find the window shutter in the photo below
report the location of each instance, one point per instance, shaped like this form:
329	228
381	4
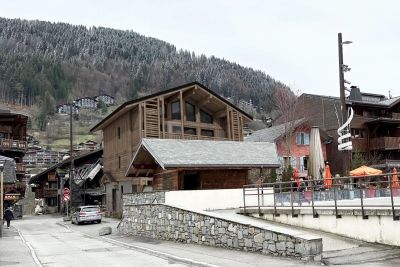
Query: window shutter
280	159
301	164
298	138
307	139
294	162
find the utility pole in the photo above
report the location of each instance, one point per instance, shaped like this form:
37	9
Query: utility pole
71	168
341	79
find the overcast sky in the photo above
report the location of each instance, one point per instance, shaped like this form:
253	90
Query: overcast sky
294	41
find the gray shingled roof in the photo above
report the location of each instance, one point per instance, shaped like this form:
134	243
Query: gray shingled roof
202	153
9	176
271	134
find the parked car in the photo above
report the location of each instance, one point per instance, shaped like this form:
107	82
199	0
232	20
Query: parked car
87	214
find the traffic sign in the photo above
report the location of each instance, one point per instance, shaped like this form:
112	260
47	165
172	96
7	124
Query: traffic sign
66	191
66	198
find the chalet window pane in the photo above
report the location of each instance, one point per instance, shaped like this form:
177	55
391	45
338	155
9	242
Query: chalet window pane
176	129
176	110
190	130
190	113
207	133
205	117
165	111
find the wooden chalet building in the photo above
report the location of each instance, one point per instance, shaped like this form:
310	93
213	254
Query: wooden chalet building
299	144
66	109
86	102
13	145
190	111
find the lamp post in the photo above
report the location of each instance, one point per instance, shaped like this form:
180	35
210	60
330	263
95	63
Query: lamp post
71	168
342	69
2	163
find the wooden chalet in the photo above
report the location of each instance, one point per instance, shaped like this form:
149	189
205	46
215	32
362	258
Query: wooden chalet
190	111
86	102
66	109
107	99
13	145
177	164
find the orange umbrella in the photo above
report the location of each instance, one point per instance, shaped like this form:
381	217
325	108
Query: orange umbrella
395	179
364	170
296	176
328	176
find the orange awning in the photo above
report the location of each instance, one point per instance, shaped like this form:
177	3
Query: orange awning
395	179
364	170
328	176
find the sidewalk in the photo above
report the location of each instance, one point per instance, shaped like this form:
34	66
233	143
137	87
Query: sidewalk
14	251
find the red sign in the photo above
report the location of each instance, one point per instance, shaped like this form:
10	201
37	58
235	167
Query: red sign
66	198
66	191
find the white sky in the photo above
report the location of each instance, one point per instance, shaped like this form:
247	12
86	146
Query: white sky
294	41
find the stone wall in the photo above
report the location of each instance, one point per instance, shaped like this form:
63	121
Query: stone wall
165	222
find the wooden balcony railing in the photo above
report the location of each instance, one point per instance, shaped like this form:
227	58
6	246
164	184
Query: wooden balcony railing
21	167
193	137
360	145
50	192
395	115
10	144
384	143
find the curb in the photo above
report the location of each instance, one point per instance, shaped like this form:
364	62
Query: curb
156	253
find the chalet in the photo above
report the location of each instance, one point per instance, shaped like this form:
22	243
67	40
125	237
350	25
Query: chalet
191	112
86	102
13	145
66	109
86	188
299	133
107	99
43	157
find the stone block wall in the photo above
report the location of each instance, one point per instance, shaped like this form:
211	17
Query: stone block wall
165	222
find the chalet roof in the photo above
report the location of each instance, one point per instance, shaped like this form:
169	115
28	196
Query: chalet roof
9	170
274	133
13	112
170	153
64	162
98	127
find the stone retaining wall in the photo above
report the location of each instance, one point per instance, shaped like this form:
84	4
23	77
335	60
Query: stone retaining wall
165	222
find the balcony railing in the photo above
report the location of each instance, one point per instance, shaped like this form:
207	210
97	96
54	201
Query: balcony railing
384	143
193	137
21	167
10	144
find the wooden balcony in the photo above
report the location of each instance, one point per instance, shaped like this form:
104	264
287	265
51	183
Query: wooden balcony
193	137
395	115
359	145
384	143
21	167
10	144
50	192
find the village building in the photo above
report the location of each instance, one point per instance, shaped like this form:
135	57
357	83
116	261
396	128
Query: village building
66	109
107	99
86	102
187	112
295	152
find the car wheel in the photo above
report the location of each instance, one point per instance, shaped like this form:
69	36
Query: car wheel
72	221
99	221
79	223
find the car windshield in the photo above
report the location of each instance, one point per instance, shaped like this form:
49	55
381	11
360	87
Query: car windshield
89	209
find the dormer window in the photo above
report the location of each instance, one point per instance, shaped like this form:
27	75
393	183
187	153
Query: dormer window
205	117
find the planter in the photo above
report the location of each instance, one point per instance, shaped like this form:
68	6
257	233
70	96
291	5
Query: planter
370	192
307	194
395	191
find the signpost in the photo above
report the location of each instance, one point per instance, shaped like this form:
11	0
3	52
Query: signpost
66	197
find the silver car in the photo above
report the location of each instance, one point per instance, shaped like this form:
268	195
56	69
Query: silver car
87	214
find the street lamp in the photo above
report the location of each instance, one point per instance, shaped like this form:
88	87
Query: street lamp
71	168
2	163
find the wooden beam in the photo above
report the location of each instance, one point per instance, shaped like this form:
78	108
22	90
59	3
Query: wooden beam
221	113
189	93
173	97
204	101
147	173
144	166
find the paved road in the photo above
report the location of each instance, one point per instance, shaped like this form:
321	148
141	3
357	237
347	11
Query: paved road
58	243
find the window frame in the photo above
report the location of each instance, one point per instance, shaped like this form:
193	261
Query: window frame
304	139
174	116
187	104
208	114
207	130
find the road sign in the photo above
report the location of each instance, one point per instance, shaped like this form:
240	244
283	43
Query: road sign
66	191
66	198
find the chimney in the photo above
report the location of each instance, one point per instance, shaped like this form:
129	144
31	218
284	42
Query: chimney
355	93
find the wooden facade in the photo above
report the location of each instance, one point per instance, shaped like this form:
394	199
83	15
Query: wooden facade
190	112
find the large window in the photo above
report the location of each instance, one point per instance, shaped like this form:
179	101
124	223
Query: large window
190	130
358	133
205	117
190	112
302	138
176	129
207	133
176	110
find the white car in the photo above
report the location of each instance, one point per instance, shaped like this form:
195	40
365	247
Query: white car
87	214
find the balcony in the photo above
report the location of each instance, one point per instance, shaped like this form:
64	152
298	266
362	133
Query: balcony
384	143
359	145
10	144
193	137
50	192
21	167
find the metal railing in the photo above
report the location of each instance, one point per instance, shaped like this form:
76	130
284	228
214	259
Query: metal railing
355	192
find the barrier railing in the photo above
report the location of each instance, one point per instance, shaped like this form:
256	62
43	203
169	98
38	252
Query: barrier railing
354	192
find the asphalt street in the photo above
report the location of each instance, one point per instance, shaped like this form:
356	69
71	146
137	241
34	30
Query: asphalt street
47	240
